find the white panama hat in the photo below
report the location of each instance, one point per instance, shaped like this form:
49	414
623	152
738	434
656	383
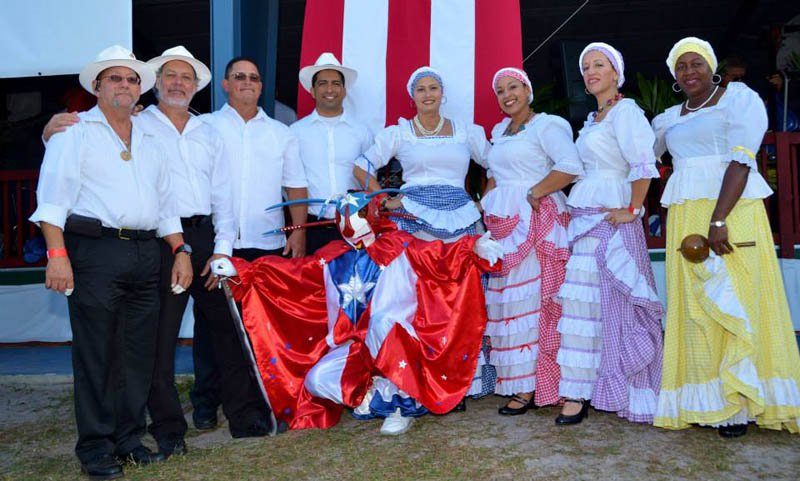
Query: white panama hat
326	61
117	56
180	53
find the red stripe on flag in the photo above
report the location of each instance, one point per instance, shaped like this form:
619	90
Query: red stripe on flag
498	44
323	28
407	48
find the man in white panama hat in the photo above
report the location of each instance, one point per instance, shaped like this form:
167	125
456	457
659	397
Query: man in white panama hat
202	184
104	195
330	140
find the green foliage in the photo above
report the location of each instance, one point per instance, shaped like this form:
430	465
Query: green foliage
544	100
794	60
655	96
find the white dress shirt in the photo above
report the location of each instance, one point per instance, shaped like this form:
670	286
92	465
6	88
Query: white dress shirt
82	173
201	178
264	156
329	147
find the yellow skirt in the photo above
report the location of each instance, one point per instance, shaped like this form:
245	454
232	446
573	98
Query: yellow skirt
730	353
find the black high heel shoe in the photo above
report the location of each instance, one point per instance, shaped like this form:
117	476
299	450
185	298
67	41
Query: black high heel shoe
732	431
526	405
563	420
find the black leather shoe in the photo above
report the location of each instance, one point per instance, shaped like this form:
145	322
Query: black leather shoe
526	404
256	429
563	420
142	455
732	431
204	424
102	467
172	447
460	407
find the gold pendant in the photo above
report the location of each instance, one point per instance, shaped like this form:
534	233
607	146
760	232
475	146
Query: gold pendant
125	155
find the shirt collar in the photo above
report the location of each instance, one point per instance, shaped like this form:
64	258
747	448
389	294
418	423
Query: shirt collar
161	116
344	118
260	114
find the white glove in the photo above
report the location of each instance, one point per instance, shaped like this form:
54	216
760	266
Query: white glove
488	248
223	267
68	292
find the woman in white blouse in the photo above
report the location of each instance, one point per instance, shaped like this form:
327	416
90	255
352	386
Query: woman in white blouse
532	158
434	152
610	353
730	352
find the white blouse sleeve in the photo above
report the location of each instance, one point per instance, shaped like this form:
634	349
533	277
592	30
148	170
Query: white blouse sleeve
478	145
747	122
659	129
385	146
636	140
555	137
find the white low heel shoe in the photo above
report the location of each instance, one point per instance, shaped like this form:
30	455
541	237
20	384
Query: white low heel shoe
396	424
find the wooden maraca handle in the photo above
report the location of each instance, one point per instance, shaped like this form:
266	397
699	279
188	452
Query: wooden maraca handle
745	244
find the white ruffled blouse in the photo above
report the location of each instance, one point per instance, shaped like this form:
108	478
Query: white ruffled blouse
526	158
427	160
704	142
615	152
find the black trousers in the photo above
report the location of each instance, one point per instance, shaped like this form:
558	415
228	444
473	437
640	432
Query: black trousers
113	313
241	398
317	237
251	253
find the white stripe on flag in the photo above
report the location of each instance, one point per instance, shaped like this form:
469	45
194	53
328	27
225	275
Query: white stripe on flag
364	48
453	53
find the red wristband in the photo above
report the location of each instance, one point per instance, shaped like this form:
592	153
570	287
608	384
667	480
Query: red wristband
61	252
175	249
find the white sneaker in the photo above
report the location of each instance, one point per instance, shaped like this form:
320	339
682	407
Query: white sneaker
396	424
363	408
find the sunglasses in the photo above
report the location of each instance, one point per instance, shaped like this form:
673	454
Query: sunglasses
116	79
241	77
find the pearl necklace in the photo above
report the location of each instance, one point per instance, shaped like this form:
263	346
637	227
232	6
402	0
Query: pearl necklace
425	132
694	109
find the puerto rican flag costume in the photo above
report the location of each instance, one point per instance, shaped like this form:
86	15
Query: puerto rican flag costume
408	312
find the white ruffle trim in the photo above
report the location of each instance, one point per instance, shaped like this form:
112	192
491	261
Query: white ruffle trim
516	356
515	293
575	390
710	398
582	263
579	327
600	191
583	360
449	220
514	386
579	293
511	327
642	402
719	288
623	268
579	226
701	178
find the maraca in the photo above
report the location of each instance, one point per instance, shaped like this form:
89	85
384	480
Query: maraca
695	248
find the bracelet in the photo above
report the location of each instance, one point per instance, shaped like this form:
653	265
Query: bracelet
60	252
175	249
717	223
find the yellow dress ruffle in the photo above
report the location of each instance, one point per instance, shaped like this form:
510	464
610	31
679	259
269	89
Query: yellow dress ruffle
730	352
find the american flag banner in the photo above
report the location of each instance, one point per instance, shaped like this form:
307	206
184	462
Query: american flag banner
386	40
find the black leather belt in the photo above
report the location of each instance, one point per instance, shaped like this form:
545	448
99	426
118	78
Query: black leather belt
195	220
129	234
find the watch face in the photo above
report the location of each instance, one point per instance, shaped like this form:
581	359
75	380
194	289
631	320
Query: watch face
185	248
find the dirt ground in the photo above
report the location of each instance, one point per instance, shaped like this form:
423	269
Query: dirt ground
37	436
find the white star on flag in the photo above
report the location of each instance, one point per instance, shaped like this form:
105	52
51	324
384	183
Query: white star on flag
444	340
444	377
402	364
355	289
322	261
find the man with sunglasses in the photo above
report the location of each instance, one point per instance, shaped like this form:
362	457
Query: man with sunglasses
264	158
104	195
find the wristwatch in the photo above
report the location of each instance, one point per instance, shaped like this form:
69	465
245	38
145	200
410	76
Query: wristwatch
185	248
717	223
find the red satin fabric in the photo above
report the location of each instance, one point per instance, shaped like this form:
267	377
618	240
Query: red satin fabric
450	321
285	314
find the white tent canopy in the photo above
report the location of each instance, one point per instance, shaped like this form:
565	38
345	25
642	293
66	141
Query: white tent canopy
46	37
